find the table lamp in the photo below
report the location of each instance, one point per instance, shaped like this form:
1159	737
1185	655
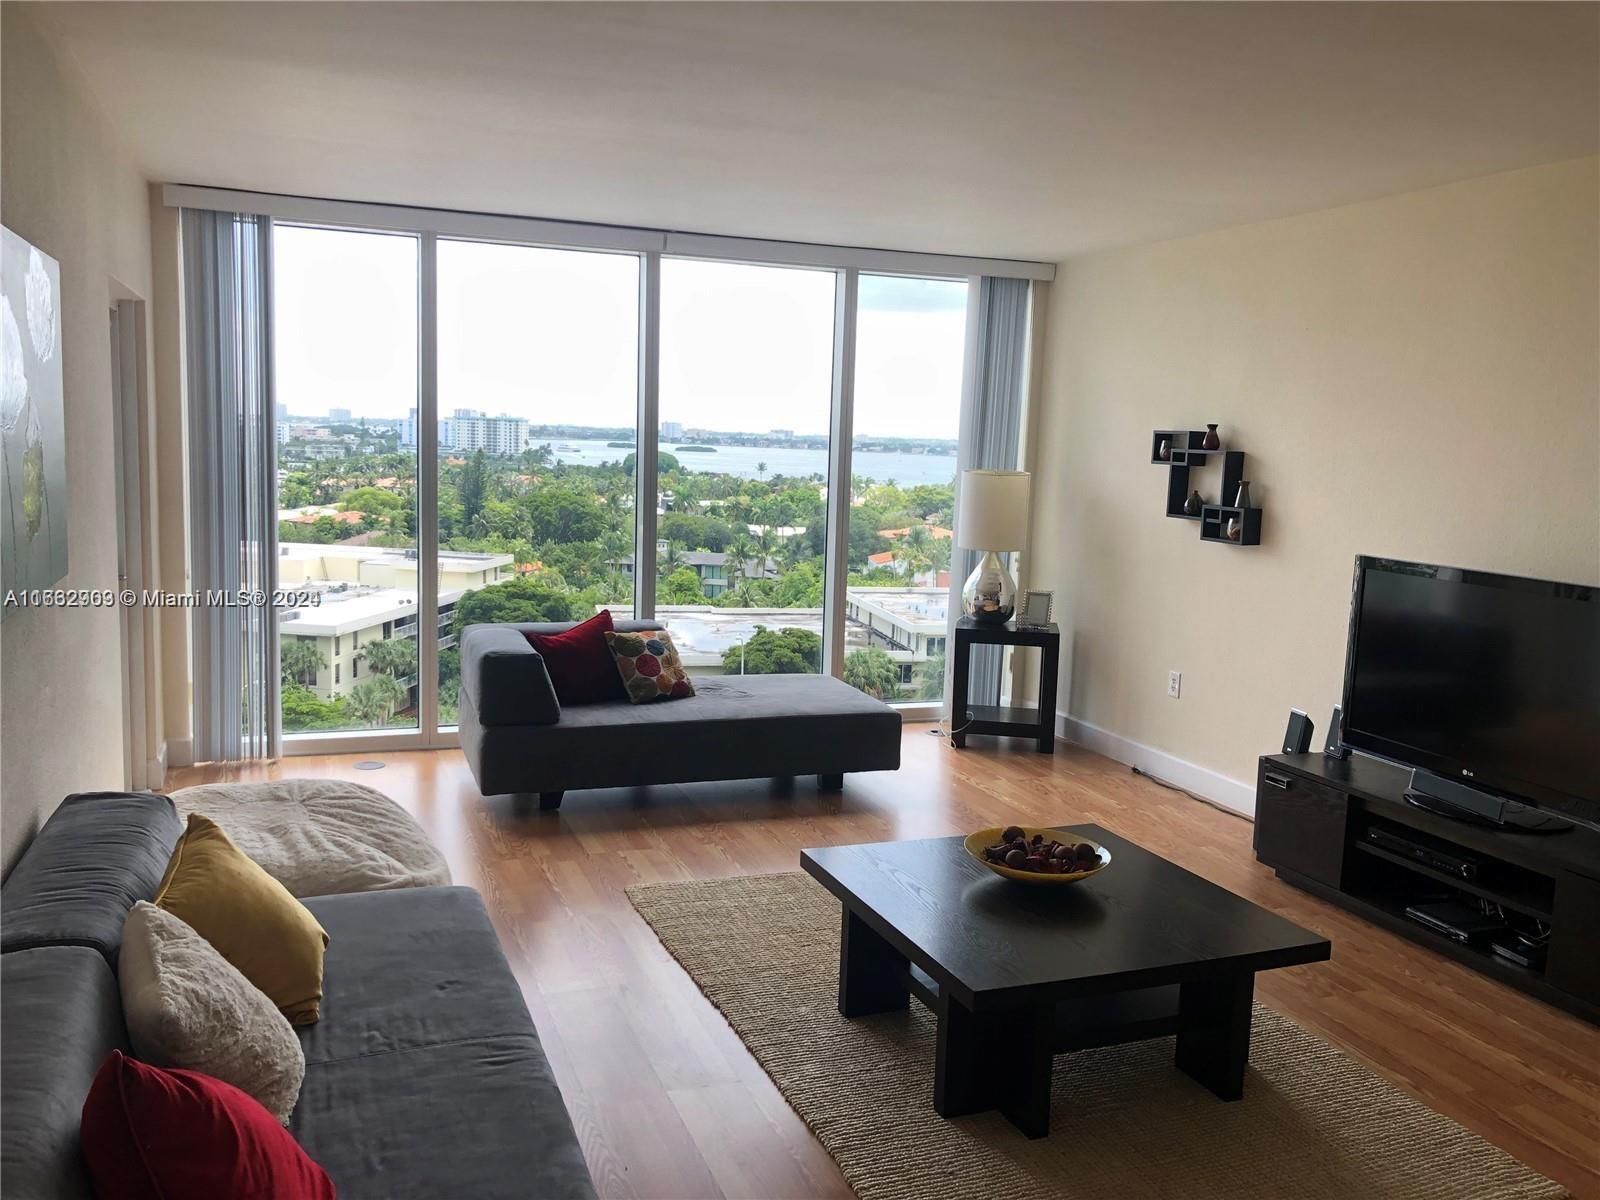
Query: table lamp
992	516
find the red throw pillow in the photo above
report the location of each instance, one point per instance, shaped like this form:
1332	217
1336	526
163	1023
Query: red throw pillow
150	1133
580	664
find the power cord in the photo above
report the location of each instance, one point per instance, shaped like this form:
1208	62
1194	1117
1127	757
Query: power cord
938	730
1172	787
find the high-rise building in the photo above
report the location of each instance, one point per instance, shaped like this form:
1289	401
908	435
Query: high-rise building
672	431
470	430
339	416
408	430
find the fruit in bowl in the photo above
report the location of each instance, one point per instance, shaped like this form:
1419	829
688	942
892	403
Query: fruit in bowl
1037	855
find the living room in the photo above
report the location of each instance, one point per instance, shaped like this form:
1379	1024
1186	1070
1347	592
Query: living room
1029	411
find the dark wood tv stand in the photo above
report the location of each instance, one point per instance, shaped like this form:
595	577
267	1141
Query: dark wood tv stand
1312	819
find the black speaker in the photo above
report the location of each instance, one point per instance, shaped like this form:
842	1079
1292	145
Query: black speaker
1297	738
1334	747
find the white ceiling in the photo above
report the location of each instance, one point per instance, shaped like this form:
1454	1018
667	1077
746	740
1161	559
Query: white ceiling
1024	131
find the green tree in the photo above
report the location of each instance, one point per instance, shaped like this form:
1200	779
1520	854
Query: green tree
740	548
473	486
669	560
775	652
395	657
299	660
303	709
526	599
374	699
930	678
665	463
681	587
562	512
872	671
375	501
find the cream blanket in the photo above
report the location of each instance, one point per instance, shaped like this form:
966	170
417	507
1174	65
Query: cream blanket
319	837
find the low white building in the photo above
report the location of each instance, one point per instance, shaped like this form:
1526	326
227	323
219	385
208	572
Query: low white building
366	594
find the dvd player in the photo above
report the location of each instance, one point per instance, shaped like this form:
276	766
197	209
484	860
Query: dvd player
1459	866
1456	921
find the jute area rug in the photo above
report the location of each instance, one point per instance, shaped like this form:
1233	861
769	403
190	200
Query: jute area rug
1124	1121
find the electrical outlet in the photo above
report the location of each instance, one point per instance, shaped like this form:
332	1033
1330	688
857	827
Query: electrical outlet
1174	683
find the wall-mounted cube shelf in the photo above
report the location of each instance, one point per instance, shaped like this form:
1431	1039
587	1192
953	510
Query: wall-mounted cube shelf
1186	449
1214	520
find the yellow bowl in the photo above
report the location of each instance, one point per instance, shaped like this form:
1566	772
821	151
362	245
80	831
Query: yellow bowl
976	843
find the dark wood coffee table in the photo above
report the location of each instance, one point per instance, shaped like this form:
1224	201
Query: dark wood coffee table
1018	974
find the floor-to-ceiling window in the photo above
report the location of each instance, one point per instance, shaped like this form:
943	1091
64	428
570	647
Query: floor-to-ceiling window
345	338
909	339
538	394
746	401
484	397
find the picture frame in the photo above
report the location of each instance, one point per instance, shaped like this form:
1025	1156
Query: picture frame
1036	607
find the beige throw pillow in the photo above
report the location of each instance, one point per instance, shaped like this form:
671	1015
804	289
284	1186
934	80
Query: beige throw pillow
187	1006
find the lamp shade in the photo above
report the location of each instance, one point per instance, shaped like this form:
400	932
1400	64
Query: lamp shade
992	513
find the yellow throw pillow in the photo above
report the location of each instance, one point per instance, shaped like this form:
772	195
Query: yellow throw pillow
247	916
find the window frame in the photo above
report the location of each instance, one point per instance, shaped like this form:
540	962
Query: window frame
649	247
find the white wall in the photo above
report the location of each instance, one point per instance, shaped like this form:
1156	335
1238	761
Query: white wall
1414	377
67	190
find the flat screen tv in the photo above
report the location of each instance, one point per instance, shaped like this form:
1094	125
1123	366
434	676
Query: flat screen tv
1492	680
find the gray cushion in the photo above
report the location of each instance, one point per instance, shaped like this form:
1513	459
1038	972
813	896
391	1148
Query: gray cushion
407	968
734	727
60	1015
504	677
97	854
424	1077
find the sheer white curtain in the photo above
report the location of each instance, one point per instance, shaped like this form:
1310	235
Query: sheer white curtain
991	435
233	529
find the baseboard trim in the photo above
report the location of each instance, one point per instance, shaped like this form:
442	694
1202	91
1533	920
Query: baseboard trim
155	769
180	753
1231	794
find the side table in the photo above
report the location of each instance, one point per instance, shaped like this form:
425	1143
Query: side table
1006	720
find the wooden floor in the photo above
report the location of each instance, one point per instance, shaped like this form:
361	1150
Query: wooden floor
667	1101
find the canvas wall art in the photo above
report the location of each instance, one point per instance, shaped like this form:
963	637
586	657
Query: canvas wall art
33	475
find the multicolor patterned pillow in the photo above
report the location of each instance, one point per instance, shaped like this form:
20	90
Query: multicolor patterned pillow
650	666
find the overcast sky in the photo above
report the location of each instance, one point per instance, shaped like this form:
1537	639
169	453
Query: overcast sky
550	335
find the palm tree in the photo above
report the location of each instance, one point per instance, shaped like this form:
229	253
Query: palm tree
765	543
761	470
915	551
669	560
395	657
374	699
795	551
873	672
299	660
931	678
738	555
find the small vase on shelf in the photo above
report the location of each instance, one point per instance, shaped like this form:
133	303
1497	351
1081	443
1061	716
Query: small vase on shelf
1212	441
1164	451
1192	506
1242	500
1234	530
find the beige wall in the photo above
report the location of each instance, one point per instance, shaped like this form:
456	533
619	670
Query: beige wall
1414	377
64	188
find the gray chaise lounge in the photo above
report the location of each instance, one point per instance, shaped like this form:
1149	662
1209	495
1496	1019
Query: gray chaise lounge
519	739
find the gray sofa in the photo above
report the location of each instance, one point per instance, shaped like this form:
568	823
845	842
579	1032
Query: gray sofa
424	1077
519	739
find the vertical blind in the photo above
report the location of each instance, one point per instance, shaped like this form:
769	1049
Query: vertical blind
232	480
994	436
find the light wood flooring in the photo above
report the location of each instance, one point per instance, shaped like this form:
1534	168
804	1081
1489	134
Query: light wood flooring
667	1101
